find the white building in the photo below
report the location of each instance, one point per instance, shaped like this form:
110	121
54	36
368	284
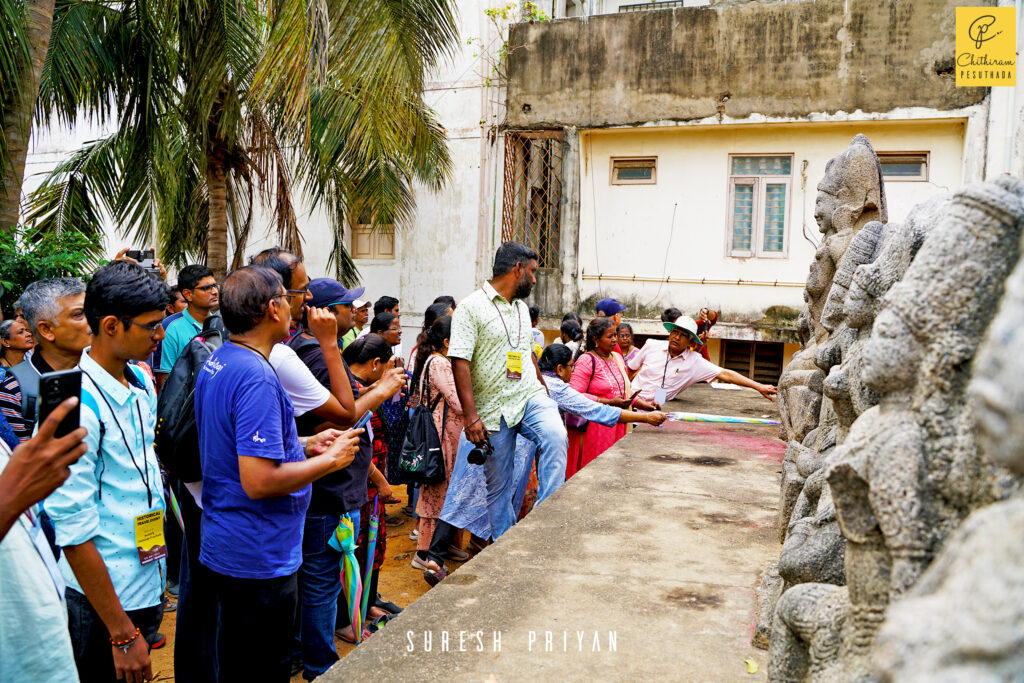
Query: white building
670	156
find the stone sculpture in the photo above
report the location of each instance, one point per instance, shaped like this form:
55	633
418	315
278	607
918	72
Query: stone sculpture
909	472
964	620
849	196
876	259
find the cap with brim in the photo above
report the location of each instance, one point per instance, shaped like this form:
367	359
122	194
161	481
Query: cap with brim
609	307
360	303
328	292
686	324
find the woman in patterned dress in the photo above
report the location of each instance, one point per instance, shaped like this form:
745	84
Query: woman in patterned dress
434	382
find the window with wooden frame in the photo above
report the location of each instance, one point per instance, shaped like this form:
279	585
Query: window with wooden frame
904	165
760	361
371	241
634	171
759	195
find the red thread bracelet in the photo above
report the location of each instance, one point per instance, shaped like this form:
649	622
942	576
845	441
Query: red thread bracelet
123	644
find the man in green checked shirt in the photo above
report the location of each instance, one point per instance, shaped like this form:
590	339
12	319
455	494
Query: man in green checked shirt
499	384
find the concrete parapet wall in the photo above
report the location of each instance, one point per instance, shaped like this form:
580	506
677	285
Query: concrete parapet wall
642	567
781	59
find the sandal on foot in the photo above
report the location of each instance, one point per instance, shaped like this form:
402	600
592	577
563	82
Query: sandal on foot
340	633
435	577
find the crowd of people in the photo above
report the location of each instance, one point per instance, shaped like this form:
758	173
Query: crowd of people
238	442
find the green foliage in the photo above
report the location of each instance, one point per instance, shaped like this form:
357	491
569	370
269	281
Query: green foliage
501	18
30	255
324	98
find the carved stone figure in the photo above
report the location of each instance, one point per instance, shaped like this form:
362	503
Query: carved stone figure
877	257
850	195
964	619
908	472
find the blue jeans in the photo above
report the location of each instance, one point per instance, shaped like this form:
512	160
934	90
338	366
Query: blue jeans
319	592
543	425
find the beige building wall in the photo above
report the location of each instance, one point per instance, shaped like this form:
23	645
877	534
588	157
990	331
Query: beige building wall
634	237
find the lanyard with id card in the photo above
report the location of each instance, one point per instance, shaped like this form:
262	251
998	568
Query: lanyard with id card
149	537
513	357
513	364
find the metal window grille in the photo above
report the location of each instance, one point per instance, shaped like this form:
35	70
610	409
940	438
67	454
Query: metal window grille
531	205
648	6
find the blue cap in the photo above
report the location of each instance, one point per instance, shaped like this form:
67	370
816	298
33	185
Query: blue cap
327	292
609	307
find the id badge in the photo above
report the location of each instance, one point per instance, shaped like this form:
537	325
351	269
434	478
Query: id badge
660	395
513	364
149	537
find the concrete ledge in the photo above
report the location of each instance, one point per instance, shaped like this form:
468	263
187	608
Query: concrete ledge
642	565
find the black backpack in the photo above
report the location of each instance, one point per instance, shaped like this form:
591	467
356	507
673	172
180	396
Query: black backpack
177	438
422	461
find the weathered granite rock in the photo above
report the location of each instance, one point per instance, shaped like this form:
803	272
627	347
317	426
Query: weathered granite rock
849	196
769	589
909	471
816	554
964	619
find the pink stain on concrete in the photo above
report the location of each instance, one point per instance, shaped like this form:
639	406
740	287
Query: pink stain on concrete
767	448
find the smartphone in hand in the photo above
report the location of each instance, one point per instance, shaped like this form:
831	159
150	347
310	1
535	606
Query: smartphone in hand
363	419
54	389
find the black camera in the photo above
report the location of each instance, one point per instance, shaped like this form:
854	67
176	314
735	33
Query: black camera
479	454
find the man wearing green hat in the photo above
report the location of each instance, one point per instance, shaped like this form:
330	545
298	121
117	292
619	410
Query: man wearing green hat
662	371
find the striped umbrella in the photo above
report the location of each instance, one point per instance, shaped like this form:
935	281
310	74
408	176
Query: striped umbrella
371	548
701	417
176	509
344	541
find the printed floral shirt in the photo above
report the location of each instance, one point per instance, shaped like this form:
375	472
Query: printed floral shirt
485	327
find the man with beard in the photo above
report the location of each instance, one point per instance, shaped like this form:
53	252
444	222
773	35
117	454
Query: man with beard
499	384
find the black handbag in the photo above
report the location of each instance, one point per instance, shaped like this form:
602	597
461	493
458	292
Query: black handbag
422	461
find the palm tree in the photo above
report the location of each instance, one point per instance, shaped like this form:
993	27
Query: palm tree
222	105
24	35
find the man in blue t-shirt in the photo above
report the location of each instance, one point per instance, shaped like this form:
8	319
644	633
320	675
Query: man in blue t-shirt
256	481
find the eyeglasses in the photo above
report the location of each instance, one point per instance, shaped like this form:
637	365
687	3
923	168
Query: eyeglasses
278	296
296	292
207	288
151	328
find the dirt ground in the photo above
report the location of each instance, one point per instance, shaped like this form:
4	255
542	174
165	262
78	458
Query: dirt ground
399	583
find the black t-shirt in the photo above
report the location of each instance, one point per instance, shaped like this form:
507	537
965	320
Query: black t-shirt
345	490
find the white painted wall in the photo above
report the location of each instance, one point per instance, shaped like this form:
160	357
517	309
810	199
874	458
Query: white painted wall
628	230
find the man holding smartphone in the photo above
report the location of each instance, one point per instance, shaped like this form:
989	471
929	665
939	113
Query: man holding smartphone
338	493
32	608
256	481
108	515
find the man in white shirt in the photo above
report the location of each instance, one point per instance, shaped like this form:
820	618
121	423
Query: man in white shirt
663	370
34	640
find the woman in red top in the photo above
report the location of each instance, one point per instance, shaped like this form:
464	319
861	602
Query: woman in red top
706	319
600	374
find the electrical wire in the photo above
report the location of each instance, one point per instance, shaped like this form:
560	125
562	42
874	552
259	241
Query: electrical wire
664	267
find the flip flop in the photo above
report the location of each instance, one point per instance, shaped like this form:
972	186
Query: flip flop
349	639
391	500
387	605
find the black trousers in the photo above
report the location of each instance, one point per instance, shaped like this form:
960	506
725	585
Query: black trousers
195	624
256	620
90	639
443	538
